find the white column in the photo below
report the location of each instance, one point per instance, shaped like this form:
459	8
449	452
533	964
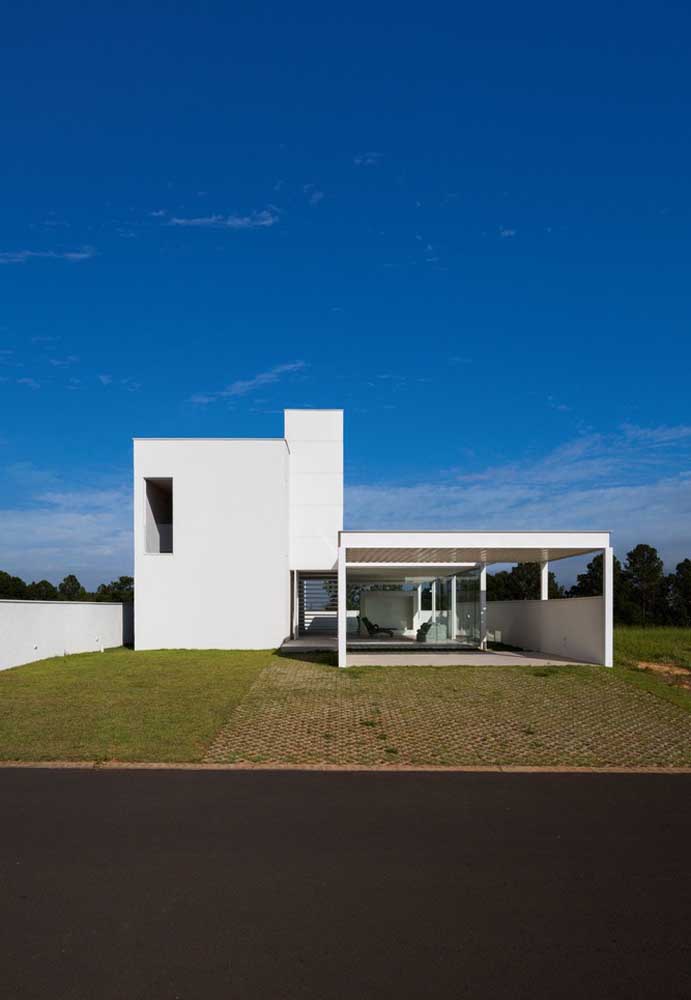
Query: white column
608	601
416	620
483	606
544	580
342	607
453	622
434	601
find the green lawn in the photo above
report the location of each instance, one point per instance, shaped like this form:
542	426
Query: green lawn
154	706
220	706
657	645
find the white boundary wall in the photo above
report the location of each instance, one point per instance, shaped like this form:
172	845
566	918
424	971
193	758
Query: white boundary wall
34	630
572	627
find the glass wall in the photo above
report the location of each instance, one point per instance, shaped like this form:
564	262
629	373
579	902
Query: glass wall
421	610
436	607
443	616
468	607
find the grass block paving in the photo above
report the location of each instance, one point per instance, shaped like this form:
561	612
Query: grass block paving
309	712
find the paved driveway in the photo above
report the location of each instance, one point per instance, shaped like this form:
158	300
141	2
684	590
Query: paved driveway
264	885
307	713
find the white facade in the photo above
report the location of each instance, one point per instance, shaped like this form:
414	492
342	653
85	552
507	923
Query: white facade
315	486
244	513
229	532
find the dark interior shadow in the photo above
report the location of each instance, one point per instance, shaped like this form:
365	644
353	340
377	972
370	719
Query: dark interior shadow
325	657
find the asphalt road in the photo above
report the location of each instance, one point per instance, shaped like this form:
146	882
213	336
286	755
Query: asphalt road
279	885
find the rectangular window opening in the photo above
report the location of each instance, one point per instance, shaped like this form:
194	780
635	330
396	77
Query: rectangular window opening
159	515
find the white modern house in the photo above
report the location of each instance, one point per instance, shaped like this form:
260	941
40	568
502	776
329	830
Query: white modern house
239	544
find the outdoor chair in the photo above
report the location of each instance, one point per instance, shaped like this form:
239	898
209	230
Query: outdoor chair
432	632
375	629
422	632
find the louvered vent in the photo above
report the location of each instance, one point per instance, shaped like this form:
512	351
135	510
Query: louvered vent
318	604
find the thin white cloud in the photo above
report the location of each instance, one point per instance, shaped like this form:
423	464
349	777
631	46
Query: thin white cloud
635	482
53	223
80	500
242	387
555	404
264	219
129	384
367	159
657	435
313	194
28	476
71	359
506	234
9	360
23	256
202	398
87	532
30	383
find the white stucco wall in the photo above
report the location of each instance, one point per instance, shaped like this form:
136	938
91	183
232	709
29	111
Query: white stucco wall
572	627
226	584
389	608
315	442
35	630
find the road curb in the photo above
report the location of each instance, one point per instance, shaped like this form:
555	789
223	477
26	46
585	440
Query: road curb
114	765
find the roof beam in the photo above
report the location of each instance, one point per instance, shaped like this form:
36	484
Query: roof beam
407	565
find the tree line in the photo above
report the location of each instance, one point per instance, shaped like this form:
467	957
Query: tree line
70	589
643	593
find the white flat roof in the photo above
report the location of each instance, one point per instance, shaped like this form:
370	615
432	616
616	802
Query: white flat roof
445	548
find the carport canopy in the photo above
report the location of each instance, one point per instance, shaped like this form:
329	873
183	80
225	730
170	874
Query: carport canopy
416	554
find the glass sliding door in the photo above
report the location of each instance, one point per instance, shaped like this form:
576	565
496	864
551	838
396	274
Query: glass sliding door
468	607
444	608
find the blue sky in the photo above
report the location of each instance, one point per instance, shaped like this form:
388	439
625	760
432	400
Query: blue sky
468	227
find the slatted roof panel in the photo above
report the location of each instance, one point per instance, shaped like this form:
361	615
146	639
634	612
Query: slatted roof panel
460	555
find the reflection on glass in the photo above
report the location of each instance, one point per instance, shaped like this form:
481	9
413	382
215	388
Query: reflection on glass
468	607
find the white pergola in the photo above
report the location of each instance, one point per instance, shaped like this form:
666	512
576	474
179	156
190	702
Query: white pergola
410	555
